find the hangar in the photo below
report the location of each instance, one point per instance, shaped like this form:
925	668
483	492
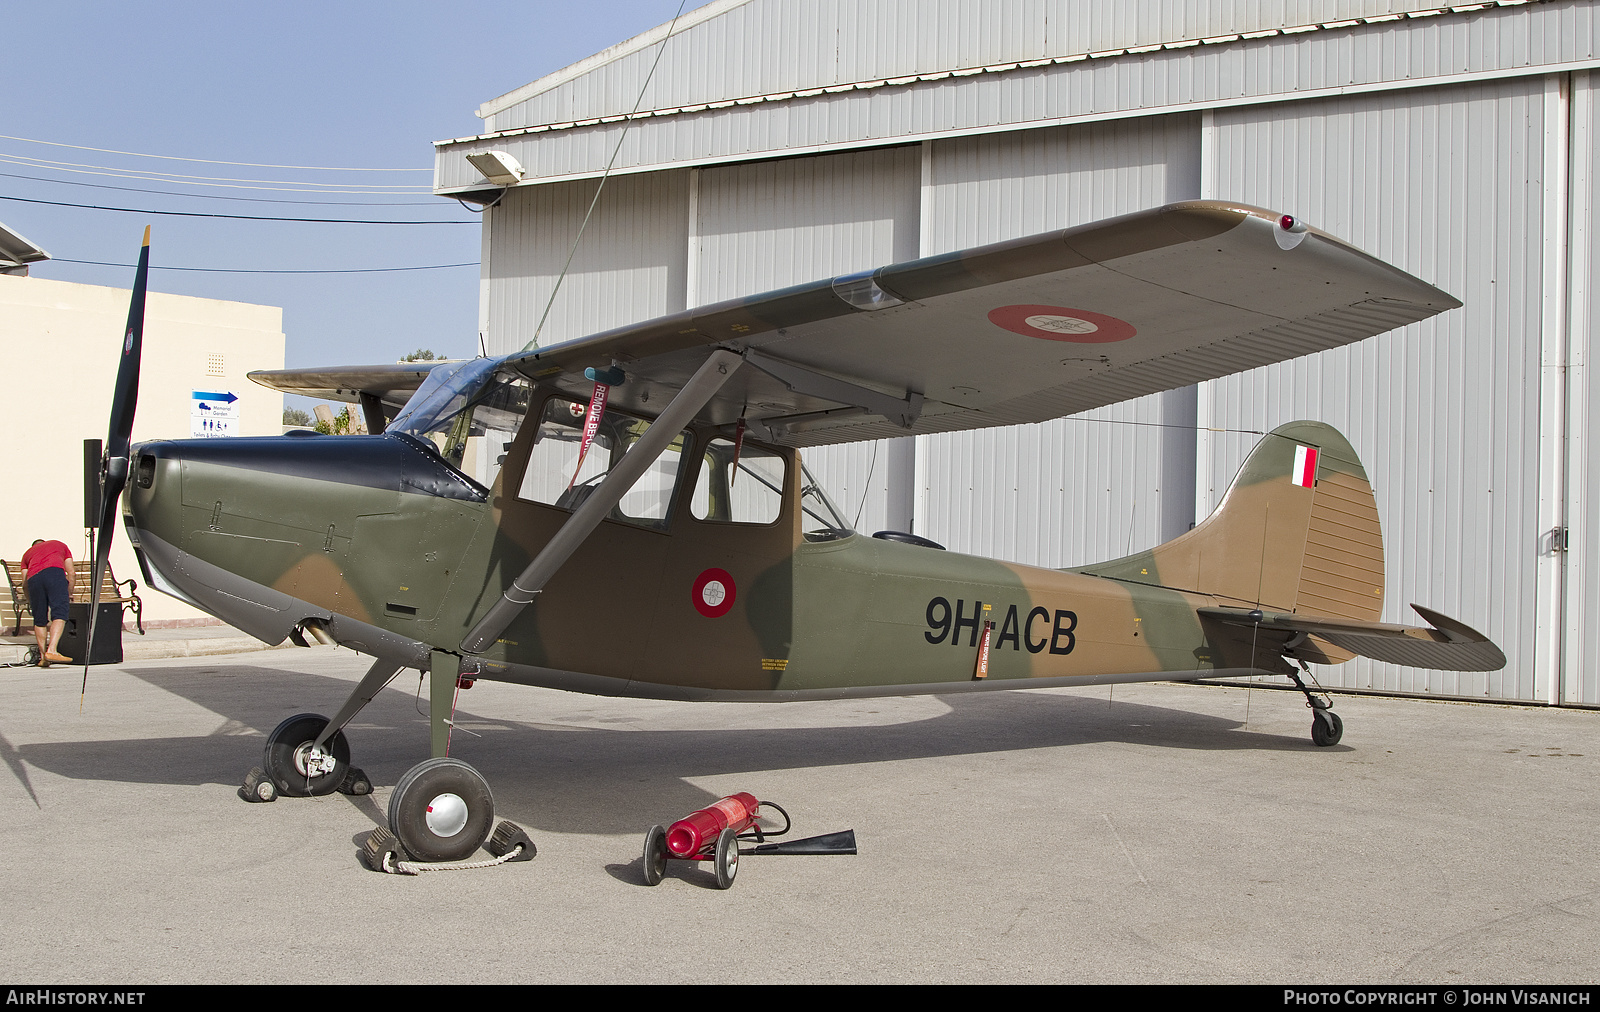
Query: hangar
755	144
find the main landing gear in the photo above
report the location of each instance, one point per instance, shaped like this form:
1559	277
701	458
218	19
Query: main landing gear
441	810
1326	727
294	765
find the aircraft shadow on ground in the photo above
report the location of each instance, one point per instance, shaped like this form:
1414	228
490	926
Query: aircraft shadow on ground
563	778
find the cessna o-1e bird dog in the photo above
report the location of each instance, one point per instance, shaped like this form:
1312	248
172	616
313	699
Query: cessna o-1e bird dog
627	514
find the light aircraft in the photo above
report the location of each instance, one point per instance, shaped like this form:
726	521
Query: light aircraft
628	514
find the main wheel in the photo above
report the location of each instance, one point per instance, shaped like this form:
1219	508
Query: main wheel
441	810
655	855
1326	728
300	770
727	862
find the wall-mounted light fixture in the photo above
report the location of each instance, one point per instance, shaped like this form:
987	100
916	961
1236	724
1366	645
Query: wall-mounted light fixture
497	167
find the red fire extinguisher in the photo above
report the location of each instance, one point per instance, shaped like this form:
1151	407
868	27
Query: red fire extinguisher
698	831
711	834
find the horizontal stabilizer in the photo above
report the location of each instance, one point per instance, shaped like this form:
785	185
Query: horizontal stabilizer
1448	646
829	843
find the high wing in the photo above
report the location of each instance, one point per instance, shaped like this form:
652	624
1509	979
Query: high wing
1020	331
391	384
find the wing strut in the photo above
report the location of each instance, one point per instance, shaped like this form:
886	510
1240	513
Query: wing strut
695	394
377	676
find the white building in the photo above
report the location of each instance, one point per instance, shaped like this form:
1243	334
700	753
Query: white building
62	342
779	142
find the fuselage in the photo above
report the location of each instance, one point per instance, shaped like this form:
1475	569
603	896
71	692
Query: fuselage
397	553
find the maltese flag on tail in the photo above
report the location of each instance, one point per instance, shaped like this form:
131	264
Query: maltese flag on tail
1305	466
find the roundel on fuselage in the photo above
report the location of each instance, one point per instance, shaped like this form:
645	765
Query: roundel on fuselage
714	592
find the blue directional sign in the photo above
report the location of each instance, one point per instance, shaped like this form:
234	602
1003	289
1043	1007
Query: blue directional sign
213	414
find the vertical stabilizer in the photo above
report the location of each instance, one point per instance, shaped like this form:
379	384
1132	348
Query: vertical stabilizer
1297	531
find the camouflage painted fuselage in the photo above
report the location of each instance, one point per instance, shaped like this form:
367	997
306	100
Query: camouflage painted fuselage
397	554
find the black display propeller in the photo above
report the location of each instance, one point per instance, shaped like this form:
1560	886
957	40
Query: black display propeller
119	439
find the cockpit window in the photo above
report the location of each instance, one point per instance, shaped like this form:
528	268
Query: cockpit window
555	475
738	488
468	411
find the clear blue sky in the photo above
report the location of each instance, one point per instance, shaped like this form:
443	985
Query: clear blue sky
365	84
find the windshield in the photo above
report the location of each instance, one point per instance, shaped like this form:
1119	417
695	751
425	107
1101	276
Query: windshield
461	400
818	511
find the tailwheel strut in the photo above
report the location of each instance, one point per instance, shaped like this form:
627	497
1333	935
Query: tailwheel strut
1326	727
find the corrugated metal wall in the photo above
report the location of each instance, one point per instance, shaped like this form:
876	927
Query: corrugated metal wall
1447	184
631	265
831	42
767	225
1474	426
1075	490
846	93
1581	638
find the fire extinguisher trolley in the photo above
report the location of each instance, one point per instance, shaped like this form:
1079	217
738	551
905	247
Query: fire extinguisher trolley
710	834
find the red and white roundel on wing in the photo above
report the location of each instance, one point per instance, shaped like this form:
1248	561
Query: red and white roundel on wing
713	593
1061	323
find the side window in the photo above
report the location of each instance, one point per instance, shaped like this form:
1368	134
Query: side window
554	476
750	492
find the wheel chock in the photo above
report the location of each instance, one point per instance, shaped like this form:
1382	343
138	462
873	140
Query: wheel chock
258	787
356	783
507	838
383	852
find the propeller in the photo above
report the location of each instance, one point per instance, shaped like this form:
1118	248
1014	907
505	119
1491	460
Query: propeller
119	438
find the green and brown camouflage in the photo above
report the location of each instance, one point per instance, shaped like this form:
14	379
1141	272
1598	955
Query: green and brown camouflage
386	543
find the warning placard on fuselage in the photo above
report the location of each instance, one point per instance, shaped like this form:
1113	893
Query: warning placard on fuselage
213	414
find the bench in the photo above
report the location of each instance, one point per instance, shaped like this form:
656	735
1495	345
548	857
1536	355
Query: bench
16	614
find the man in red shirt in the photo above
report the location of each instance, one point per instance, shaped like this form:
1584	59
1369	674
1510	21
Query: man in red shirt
50	577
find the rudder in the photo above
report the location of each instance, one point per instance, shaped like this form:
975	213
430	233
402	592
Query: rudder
1298	530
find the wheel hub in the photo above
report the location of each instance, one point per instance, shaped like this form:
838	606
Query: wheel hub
446	815
313	762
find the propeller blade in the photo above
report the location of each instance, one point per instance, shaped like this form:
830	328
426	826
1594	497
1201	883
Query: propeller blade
119	438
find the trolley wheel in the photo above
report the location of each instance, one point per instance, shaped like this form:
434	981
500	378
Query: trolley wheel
441	810
655	855
300	770
1326	728
727	860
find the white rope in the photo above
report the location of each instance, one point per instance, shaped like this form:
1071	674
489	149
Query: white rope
394	866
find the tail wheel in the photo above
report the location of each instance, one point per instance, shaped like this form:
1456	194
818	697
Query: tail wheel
1326	728
299	769
441	810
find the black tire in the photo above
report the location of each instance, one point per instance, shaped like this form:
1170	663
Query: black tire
727	861
287	752
1326	728
655	855
441	810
